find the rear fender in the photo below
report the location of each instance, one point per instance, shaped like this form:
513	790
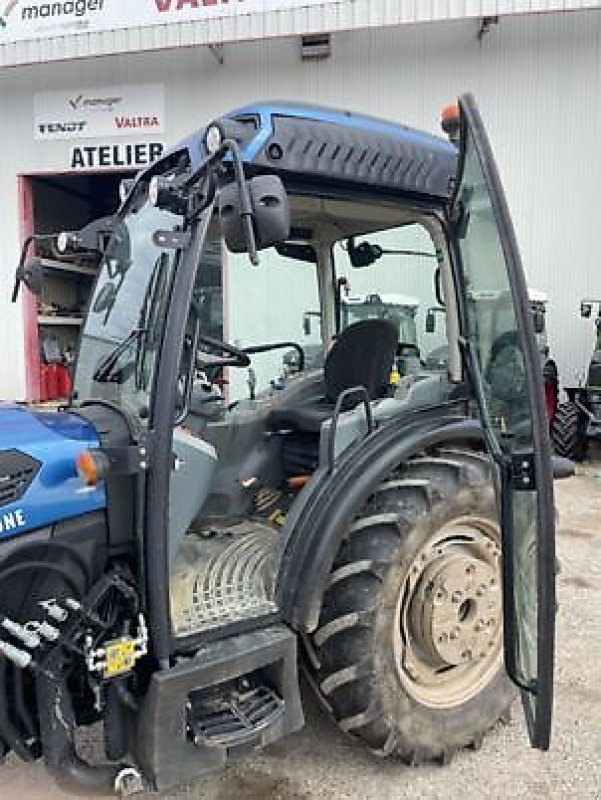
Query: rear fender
319	528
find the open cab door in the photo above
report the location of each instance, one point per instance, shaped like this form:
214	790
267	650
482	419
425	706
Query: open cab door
501	357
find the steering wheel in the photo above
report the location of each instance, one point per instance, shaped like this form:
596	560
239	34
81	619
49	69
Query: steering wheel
234	356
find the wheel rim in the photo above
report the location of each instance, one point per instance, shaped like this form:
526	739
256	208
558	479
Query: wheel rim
448	621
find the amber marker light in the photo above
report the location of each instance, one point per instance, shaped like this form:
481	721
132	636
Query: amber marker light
449	121
92	466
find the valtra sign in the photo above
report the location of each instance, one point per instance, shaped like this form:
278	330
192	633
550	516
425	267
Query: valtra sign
100	113
22	20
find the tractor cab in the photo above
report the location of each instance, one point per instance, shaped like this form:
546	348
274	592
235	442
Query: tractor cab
396	534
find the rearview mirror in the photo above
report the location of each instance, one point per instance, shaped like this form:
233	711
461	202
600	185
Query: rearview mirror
31	274
430	321
270	213
586	309
306	324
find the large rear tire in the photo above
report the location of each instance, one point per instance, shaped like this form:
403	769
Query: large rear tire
567	432
408	654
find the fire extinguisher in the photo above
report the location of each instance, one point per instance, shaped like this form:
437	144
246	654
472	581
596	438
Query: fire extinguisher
64	381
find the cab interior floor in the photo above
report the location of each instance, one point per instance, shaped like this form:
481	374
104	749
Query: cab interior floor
224	576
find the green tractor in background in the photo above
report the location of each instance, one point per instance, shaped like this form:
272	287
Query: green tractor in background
538	305
578	419
400	309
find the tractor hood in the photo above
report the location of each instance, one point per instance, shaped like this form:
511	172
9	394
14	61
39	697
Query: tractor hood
39	484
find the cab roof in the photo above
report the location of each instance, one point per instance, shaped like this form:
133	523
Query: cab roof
324	146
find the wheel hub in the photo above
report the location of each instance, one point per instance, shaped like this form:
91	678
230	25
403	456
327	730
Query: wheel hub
448	625
457	614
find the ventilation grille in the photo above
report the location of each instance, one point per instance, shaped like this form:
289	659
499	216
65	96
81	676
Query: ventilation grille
17	472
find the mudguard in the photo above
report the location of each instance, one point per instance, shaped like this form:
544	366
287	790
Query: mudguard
318	528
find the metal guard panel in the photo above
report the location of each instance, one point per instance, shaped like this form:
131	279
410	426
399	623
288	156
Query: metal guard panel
52	440
349	147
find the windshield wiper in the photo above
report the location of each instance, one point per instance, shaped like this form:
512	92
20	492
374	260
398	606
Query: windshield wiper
105	371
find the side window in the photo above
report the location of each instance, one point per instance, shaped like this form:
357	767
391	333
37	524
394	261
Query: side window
399	285
266	305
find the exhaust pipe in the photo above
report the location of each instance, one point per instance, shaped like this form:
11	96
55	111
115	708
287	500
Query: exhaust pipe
72	773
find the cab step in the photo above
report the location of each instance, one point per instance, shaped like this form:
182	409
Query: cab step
235	717
231	699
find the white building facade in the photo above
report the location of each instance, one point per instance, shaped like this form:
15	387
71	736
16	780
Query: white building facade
535	68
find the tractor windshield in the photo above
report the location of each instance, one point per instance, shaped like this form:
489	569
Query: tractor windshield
120	341
375	308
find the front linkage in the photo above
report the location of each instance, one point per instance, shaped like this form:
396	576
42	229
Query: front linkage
93	645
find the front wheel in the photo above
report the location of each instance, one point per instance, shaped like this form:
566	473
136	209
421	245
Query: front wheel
408	655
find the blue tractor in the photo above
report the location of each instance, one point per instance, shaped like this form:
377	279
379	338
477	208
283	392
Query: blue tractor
176	543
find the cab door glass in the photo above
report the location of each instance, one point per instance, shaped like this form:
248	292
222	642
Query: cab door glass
496	331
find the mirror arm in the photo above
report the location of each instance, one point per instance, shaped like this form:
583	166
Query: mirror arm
23	258
20	266
246	207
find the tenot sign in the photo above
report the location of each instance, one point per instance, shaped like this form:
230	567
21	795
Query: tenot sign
99	113
36	19
115	156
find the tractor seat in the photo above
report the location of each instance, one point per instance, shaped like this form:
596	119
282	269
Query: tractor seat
362	355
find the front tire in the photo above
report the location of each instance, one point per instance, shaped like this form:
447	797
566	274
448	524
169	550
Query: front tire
408	654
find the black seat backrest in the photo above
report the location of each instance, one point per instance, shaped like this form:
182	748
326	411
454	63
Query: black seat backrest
362	355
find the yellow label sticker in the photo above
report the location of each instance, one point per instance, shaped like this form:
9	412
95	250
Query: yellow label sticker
120	657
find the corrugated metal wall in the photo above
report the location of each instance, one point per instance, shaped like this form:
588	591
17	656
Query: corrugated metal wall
537	79
332	15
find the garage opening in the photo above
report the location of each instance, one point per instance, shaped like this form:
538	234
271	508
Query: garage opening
57	203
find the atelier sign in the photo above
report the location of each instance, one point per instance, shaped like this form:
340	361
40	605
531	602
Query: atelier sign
110	156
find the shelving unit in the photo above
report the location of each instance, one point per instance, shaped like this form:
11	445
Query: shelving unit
44	319
50	264
66	290
55	203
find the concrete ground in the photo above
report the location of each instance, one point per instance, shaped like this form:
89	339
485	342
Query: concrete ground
320	762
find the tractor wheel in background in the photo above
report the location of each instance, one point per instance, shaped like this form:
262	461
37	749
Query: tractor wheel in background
567	432
408	654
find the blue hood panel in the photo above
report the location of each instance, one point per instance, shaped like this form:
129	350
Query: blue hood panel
53	439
